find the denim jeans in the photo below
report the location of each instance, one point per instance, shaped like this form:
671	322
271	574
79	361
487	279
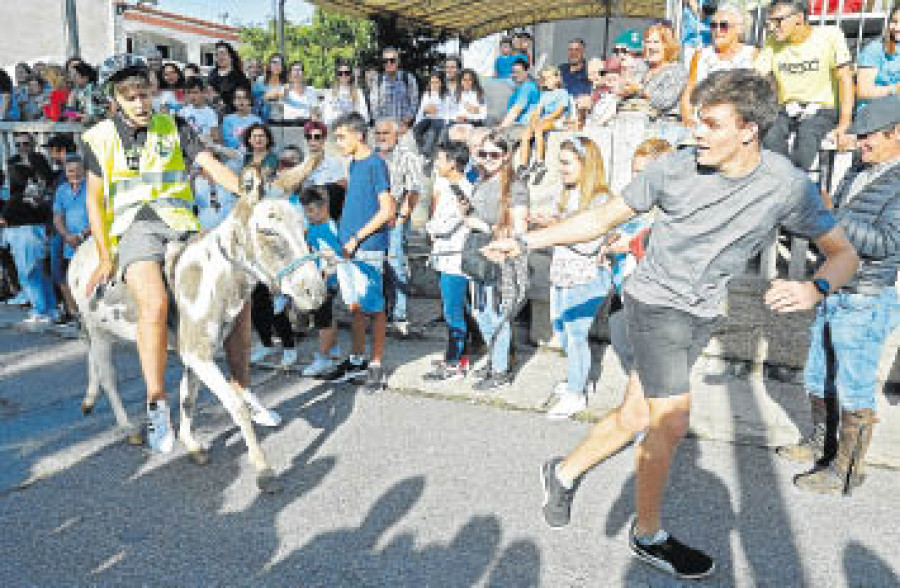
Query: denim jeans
453	300
489	315
29	250
848	336
397	274
56	258
808	138
572	312
428	132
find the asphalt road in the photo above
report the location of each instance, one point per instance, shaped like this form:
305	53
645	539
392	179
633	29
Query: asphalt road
385	490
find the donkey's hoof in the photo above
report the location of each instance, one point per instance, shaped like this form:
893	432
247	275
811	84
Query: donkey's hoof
86	408
268	482
200	456
135	438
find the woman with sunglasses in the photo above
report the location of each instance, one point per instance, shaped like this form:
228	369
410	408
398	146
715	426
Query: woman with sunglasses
344	96
728	51
274	76
498	206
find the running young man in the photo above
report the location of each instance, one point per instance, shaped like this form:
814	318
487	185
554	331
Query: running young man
139	199
716	205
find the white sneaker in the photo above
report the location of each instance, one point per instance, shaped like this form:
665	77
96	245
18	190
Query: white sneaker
289	358
260	352
561	388
320	366
37	319
569	403
160	436
260	414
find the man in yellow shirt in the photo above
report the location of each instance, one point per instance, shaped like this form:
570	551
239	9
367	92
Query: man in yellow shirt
811	67
139	199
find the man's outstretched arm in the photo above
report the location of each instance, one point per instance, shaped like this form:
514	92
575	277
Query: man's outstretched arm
587	226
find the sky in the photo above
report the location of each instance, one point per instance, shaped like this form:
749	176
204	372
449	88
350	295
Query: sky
240	12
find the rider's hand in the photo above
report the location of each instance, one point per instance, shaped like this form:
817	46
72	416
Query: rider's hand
101	275
501	249
790	296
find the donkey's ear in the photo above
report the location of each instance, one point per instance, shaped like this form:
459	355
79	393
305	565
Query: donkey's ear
252	187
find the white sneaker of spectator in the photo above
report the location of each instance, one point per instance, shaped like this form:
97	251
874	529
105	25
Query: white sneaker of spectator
160	436
320	365
37	319
569	403
260	414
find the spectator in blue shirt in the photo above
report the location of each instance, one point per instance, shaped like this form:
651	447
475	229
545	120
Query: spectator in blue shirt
368	211
879	64
503	64
524	98
70	218
552	111
574	73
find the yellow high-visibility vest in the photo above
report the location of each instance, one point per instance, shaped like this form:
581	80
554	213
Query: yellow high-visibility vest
159	180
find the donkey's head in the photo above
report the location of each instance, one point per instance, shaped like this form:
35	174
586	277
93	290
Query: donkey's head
274	244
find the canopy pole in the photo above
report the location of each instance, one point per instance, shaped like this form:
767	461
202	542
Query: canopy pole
606	28
73	47
280	27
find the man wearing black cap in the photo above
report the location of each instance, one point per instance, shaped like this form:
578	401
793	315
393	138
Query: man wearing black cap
843	358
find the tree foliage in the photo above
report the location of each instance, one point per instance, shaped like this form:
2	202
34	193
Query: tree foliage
331	37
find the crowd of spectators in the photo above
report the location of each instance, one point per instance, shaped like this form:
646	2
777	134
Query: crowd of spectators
439	140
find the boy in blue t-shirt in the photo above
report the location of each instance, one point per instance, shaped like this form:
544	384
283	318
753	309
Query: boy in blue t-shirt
368	208
322	236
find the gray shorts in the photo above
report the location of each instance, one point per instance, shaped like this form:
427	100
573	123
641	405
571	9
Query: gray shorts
666	343
145	240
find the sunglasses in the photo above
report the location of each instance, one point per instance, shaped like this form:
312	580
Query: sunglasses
495	155
390	60
23	143
620	50
288	162
343	72
314	136
722	25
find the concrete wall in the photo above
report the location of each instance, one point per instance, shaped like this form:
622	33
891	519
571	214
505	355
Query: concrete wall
34	30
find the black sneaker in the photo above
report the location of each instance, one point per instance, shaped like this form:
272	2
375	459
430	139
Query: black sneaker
557	498
493	382
347	371
523	173
539	170
674	557
375	379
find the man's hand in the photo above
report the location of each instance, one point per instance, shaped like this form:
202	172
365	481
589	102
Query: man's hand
501	249
101	275
350	247
789	296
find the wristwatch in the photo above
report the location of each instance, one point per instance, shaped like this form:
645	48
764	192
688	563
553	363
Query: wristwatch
822	286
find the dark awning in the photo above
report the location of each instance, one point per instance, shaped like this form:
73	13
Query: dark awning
476	18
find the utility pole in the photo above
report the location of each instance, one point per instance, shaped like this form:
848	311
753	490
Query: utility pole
71	28
280	25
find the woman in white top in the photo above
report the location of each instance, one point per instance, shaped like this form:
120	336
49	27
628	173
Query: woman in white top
432	116
299	100
471	107
275	76
344	96
578	285
728	51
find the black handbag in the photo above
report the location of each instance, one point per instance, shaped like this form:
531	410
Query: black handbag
474	264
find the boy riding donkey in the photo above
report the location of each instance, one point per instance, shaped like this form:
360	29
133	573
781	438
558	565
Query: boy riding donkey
139	199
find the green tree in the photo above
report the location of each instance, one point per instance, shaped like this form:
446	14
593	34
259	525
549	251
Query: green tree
329	38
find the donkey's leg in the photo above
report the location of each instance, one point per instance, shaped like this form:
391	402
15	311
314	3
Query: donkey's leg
102	374
189	387
210	374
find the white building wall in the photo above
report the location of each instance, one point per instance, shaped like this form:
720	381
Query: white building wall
34	29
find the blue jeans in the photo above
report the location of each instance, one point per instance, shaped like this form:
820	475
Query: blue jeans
572	312
56	259
453	300
848	336
397	275
29	249
488	315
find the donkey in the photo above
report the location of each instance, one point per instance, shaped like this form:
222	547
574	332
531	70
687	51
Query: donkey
210	279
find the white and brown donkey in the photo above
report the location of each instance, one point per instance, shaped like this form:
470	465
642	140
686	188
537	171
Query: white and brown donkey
210	280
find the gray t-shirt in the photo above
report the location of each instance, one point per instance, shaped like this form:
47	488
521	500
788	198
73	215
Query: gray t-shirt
708	226
485	198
